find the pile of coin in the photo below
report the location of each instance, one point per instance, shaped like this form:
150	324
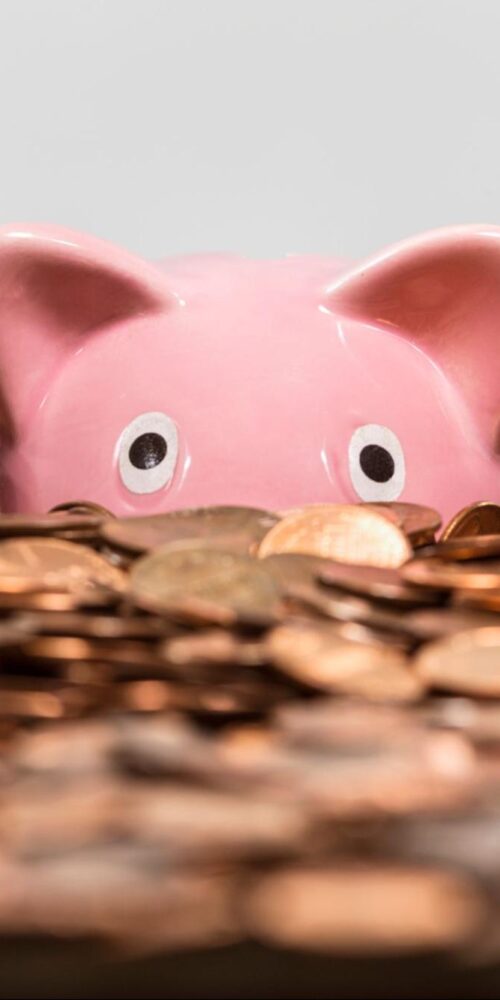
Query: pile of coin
231	724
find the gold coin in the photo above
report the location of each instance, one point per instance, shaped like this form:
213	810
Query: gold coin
31	564
467	662
205	585
477	519
345	533
235	528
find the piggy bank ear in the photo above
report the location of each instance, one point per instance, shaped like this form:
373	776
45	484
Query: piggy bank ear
441	291
57	287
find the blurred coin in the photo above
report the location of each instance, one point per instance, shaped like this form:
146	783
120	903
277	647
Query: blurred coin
380	582
477	600
432	623
38	698
161	746
91	626
31	564
205	824
320	657
233	697
211	646
290	568
478	721
468	547
377	908
342	724
205	585
66	750
467	662
350	534
379	625
419	523
235	528
79	895
24	525
58	601
82	507
71	649
145	696
441	573
478	519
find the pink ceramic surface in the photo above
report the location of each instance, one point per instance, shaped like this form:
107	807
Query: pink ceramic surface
217	379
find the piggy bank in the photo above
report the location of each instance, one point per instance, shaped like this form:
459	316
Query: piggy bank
217	379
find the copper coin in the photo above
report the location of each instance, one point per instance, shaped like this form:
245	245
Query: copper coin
380	582
162	746
478	519
235	528
67	649
144	696
211	646
30	705
365	908
467	662
24	525
14	631
48	600
479	721
440	573
342	724
247	696
291	568
82	507
382	625
345	533
433	623
204	585
468	547
419	523
31	564
319	656
92	626
43	699
478	600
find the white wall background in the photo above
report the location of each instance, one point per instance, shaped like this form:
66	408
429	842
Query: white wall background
260	126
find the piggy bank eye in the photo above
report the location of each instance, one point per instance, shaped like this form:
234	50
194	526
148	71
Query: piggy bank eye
376	463
147	452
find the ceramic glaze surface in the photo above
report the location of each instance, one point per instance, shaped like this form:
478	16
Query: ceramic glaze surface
218	379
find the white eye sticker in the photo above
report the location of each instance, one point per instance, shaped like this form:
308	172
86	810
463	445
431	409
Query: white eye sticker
376	463
147	452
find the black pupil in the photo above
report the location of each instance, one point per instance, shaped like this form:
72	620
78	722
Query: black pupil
147	451
377	463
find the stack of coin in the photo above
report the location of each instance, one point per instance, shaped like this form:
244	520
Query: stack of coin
252	725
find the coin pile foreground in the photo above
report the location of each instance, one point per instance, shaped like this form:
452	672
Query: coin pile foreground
228	724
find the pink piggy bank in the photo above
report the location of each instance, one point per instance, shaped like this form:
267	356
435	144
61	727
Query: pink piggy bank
217	379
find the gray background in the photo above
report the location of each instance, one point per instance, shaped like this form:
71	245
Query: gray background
258	126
